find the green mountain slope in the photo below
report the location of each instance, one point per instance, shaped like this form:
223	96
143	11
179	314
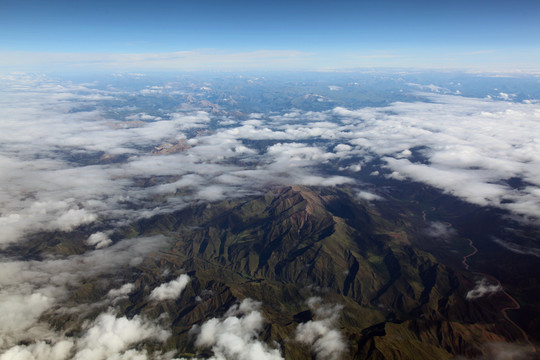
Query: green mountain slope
297	242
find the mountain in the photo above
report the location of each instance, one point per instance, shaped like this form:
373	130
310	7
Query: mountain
293	243
387	298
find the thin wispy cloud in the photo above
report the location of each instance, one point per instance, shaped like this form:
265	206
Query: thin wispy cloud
181	60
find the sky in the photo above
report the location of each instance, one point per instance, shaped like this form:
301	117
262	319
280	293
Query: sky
314	35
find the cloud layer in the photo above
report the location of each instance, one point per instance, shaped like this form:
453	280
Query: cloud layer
63	167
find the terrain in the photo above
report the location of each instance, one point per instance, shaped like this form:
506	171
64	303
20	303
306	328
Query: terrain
298	216
395	301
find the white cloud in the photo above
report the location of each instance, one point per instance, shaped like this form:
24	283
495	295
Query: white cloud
109	336
106	337
235	336
430	87
483	288
324	340
507	351
194	120
121	292
369	196
342	147
170	290
73	218
99	240
506	96
471	146
30	288
20	313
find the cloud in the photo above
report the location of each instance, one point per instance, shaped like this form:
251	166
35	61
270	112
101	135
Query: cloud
106	337
236	334
506	351
30	288
431	87
40	350
483	288
440	230
99	240
369	196
324	340
21	312
506	96
467	147
516	248
181	60
170	290
121	292
43	131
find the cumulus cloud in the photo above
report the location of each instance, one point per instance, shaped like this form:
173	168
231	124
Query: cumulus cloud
30	288
21	312
99	240
483	288
47	140
236	334
40	350
170	290
506	96
106	337
324	340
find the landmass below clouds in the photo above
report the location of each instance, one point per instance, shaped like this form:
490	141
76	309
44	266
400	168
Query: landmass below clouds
468	147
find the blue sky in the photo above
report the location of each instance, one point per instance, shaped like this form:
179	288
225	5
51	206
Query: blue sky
311	34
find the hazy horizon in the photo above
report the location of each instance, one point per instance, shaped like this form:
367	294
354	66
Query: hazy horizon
494	36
